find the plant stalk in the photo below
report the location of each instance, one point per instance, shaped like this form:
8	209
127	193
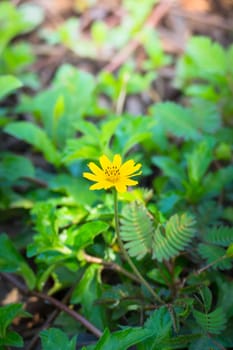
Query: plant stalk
127	257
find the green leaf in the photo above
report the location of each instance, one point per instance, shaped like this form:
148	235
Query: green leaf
229	251
203	59
199	161
206	115
216	181
35	136
8	84
12	339
99	31
7	314
12	261
219	235
122	340
213	322
59	108
160	325
214	255
169	167
94	142
56	339
136	230
87	232
132	131
87	293
14	21
14	167
75	90
206	296
168	241
176	120
32	14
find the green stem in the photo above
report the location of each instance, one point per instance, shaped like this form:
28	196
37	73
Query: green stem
126	256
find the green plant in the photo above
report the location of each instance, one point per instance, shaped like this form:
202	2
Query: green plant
9	337
16	57
150	267
211	64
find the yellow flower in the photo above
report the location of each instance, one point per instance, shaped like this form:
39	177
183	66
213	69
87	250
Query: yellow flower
113	174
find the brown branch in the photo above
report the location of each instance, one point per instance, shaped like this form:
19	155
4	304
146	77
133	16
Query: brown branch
22	288
36	181
157	14
49	320
110	266
208	20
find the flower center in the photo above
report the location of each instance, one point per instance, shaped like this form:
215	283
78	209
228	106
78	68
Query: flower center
112	173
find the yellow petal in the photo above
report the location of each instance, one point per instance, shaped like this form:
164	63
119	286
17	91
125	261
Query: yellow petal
121	187
129	167
95	169
91	177
117	161
108	185
130	182
136	174
105	162
101	185
97	186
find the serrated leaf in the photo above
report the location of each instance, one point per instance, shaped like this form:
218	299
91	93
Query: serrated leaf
169	167
8	314
206	296
215	256
11	339
168	241
176	120
122	340
76	88
213	322
220	235
56	339
199	161
209	56
204	59
216	181
87	232
136	230
207	115
87	292
160	325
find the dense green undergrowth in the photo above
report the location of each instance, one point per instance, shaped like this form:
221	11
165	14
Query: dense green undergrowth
176	225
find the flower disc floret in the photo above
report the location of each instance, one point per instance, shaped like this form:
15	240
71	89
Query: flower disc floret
113	174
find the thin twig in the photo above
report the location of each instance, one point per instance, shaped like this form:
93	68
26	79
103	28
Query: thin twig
22	288
220	346
158	13
110	266
211	264
36	181
48	321
206	20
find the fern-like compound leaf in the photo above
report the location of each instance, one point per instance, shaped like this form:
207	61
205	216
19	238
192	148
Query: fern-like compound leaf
213	322
222	236
212	253
136	230
177	234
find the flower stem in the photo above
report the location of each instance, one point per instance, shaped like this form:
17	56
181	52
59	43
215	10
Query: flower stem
127	257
